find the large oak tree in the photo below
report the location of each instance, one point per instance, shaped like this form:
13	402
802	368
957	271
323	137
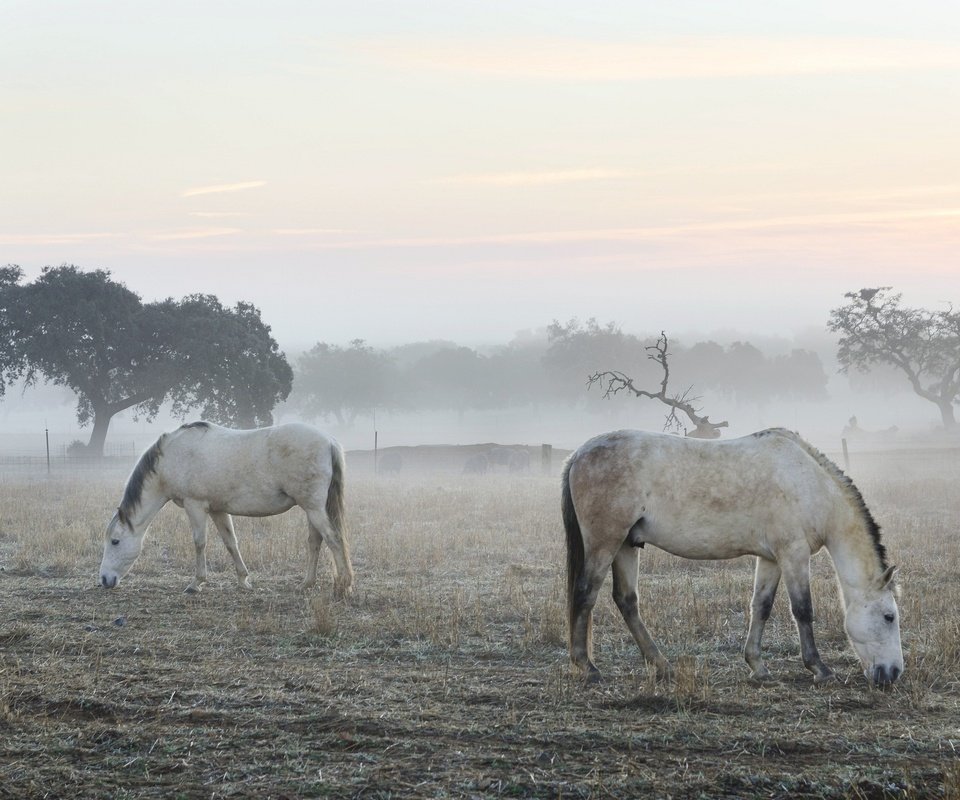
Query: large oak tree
876	328
92	334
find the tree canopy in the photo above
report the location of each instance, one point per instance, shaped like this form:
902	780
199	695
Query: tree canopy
876	328
577	350
85	331
345	381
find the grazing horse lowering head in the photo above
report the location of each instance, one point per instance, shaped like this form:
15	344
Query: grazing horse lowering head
873	627
213	472
120	550
770	495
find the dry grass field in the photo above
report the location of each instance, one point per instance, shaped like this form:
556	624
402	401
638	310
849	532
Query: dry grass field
445	674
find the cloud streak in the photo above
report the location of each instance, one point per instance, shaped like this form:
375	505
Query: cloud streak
54	238
310	231
664	59
534	178
218	214
852	219
197	233
586	174
222	188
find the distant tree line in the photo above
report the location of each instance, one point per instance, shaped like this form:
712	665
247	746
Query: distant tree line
343	381
90	334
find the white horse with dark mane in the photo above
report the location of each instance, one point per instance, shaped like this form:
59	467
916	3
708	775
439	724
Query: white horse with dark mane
212	471
770	495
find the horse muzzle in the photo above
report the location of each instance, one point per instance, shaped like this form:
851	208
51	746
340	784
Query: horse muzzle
884	676
109	581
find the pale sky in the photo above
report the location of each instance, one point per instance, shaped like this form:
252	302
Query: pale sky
407	170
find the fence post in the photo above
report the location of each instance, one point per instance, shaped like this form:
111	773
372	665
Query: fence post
846	456
46	432
546	458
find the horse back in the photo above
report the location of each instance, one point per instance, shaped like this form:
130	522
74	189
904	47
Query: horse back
240	469
697	498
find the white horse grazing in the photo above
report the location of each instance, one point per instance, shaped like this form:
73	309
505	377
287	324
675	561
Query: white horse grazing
770	495
209	470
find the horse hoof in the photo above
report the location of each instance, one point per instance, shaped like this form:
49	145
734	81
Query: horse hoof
245	584
824	679
763	678
593	676
192	589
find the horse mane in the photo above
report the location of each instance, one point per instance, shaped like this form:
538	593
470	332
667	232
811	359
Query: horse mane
846	484
200	424
132	493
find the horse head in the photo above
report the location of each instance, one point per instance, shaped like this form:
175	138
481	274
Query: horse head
121	548
873	627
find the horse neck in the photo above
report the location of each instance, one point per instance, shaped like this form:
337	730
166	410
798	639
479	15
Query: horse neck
152	499
854	555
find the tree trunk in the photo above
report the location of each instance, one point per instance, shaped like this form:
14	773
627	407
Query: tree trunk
101	422
946	413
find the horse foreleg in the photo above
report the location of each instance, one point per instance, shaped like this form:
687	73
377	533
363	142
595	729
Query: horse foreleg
797	578
198	523
765	584
224	524
625	566
337	542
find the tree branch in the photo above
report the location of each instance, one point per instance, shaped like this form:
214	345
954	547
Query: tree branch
615	382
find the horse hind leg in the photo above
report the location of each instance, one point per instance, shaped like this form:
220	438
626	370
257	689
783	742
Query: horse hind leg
583	599
625	566
322	530
765	583
224	524
314	542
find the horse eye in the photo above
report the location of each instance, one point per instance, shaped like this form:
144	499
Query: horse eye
889	617
114	541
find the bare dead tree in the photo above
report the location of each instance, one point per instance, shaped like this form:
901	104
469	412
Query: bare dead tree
615	382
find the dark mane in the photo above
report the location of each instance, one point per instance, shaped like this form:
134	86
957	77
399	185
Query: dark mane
869	522
846	483
146	466
200	424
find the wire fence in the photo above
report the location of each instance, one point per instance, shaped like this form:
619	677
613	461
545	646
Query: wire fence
906	462
64	464
63	458
121	456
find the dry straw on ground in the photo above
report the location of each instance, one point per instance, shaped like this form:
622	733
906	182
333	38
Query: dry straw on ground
446	673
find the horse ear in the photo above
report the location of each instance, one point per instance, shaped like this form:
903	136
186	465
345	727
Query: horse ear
885	581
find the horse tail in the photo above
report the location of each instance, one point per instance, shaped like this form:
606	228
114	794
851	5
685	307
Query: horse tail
335	511
575	558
